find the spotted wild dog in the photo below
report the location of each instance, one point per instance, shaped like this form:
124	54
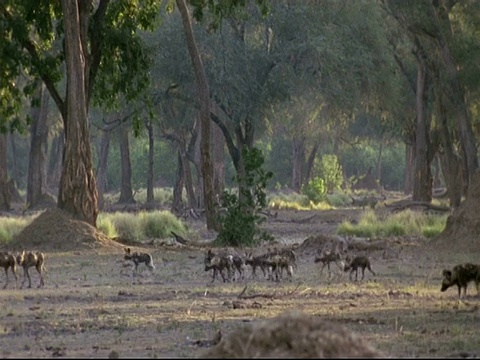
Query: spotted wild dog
260	261
139	258
352	265
279	263
219	263
8	261
461	275
30	259
327	258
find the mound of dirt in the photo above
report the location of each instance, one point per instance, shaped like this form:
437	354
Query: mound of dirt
462	230
292	335
55	229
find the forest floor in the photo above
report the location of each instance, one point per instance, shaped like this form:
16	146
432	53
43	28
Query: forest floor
92	306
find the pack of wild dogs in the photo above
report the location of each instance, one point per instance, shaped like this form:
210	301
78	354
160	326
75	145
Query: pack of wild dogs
25	260
227	265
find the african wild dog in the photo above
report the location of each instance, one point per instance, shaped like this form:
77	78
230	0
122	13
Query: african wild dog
30	259
139	258
358	262
328	258
260	261
461	275
7	261
218	263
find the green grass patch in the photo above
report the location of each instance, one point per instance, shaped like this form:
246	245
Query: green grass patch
140	226
403	223
12	226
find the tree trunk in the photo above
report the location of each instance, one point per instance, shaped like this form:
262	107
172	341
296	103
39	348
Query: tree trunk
126	193
422	185
4	188
298	149
151	155
218	151
102	166
78	188
204	97
177	203
55	162
409	168
311	163
36	179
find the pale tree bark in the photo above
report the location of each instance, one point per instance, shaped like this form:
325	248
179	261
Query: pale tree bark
204	97
36	178
78	189
54	172
151	154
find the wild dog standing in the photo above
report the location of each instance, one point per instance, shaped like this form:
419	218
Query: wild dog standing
7	261
218	263
139	258
255	262
461	275
358	262
30	259
328	258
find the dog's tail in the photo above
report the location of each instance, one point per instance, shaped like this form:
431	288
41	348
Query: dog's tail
150	263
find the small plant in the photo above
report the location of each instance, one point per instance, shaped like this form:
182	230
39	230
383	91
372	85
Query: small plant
315	189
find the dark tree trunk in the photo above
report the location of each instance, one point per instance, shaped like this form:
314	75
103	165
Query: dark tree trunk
311	163
102	166
36	179
126	192
298	158
151	154
78	188
422	185
55	161
4	188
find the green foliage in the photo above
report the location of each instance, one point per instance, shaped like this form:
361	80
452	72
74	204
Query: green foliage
331	172
239	224
403	223
315	189
338	199
106	226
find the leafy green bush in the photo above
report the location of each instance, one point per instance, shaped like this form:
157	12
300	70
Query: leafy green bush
315	189
331	172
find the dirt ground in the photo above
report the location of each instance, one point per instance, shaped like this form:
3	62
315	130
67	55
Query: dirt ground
92	306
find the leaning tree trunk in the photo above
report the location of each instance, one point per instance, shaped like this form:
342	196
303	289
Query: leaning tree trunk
78	188
36	181
204	97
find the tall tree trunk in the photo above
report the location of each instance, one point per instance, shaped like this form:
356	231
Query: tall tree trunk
55	162
310	163
102	166
36	178
204	97
4	188
409	168
422	185
177	203
78	189
151	154
218	151
126	192
298	158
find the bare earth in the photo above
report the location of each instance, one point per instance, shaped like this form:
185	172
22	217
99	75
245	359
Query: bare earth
91	306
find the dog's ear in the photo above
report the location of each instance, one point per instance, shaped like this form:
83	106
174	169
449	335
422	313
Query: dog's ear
447	274
127	250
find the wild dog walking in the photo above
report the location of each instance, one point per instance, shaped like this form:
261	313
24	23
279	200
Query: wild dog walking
358	262
328	258
219	263
461	275
139	258
30	259
8	261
